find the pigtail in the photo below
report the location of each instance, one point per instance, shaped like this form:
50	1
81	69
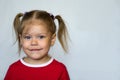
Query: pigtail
62	33
16	24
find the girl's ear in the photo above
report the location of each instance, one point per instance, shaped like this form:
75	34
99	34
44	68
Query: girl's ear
53	39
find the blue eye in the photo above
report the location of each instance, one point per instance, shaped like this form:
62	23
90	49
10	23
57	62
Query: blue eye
27	37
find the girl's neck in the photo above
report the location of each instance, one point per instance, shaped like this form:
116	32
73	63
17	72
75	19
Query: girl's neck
37	61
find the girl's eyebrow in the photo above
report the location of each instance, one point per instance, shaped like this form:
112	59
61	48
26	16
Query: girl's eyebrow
31	33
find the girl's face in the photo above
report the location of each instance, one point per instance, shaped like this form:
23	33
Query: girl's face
36	41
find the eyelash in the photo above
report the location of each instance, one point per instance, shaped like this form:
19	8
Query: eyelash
29	37
41	37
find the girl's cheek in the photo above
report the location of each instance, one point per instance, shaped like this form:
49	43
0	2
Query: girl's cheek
25	44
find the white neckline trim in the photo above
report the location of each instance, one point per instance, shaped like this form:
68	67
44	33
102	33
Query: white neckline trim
38	65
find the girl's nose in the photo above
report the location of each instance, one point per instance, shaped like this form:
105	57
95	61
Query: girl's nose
34	42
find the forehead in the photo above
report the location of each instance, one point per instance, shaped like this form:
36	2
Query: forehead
35	27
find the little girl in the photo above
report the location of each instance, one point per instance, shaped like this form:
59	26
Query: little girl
36	33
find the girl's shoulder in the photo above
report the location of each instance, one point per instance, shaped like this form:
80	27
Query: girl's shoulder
58	64
15	64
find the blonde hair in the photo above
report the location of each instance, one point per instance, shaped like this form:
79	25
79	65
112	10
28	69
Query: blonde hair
21	19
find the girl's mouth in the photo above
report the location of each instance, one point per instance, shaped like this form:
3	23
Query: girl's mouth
35	49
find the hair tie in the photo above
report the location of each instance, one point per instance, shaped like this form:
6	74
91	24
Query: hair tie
52	16
25	13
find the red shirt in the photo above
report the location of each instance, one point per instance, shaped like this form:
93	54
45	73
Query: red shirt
53	70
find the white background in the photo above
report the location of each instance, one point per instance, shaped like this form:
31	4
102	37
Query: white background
94	28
